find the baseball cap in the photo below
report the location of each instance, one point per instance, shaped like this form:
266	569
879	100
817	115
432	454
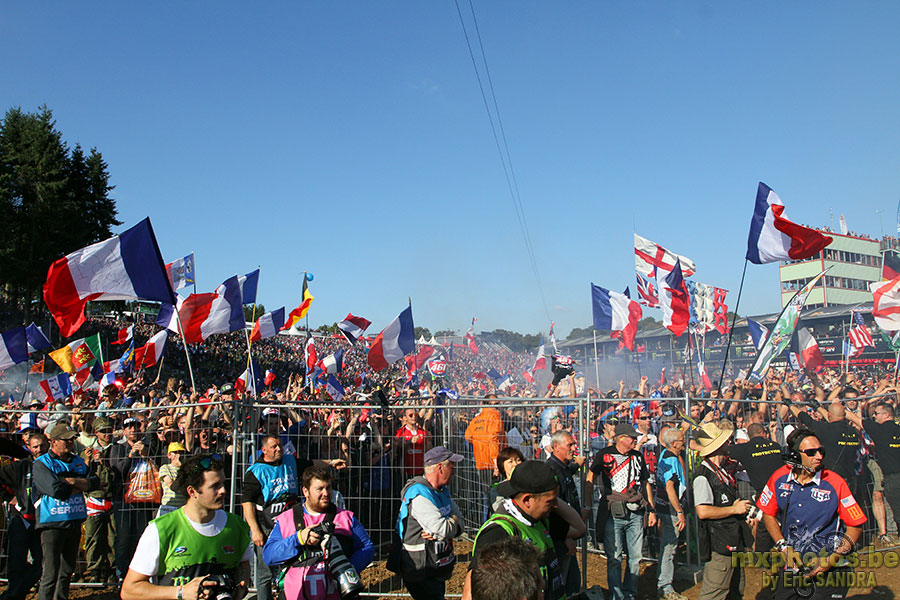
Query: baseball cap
439	454
102	423
61	431
626	429
131	421
532	476
270	411
226	389
176	447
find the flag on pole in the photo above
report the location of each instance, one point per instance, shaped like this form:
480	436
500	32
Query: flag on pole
674	300
203	315
859	335
334	389
268	325
890	266
77	355
13	347
470	337
886	307
149	354
615	312
168	314
333	363
394	342
758	333
180	272
808	350
125	334
540	362
247	284
270	378
124	363
37	367
552	337
773	237
780	336
37	341
57	388
844	229
650	257
647	294
296	315
310	354
353	327
124	267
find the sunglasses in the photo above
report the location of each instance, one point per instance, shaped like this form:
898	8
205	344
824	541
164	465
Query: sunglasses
813	451
206	462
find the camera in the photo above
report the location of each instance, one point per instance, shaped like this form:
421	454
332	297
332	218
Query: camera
222	590
336	562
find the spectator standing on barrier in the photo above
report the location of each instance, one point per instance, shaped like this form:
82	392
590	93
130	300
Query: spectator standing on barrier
722	513
179	551
296	541
628	496
487	436
21	536
531	495
671	495
60	480
760	457
429	519
804	506
565	465
100	526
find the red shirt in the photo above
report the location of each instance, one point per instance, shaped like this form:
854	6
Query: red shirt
414	455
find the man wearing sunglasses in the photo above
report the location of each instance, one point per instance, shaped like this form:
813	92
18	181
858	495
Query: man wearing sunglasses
809	509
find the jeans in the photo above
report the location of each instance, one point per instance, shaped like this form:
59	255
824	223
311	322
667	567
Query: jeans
668	542
623	535
22	575
60	547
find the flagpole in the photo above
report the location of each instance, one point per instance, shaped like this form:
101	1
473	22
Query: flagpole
250	343
187	354
159	372
691	355
308	336
737	304
596	361
416	345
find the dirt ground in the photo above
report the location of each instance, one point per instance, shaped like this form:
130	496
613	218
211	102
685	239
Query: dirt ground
378	579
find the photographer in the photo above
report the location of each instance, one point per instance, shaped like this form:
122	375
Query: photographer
198	545
317	570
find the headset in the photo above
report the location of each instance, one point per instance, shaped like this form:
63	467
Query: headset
791	454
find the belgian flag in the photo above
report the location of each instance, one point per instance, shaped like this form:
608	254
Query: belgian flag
890	268
298	313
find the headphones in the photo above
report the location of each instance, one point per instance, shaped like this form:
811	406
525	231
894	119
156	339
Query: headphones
791	454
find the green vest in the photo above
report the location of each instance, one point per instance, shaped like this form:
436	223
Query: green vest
538	535
184	553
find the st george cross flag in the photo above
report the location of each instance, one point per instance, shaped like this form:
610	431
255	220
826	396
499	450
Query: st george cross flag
181	272
673	297
773	237
246	283
203	315
124	267
334	389
353	327
649	256
13	347
125	334
394	342
37	341
333	363
268	325
57	388
780	336
886	307
860	337
614	311
149	354
78	354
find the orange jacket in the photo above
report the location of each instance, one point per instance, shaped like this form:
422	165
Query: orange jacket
485	433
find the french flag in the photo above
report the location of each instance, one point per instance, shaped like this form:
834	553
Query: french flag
758	333
203	315
37	341
808	350
247	285
773	237
540	362
353	327
270	378
125	267
150	353
57	388
614	311
268	325
394	342
13	347
673	297
334	389
310	352
333	363
125	334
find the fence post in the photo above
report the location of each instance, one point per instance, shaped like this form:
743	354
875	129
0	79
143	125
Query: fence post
236	452
687	455
584	413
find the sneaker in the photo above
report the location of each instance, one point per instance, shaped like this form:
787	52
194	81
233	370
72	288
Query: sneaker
886	540
673	595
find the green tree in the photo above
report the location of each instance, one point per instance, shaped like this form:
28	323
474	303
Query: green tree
420	331
52	201
249	313
445	333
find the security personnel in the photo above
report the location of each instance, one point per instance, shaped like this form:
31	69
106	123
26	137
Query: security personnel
760	457
531	495
804	507
428	521
839	438
60	480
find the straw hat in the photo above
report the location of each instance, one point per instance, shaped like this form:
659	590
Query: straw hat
710	437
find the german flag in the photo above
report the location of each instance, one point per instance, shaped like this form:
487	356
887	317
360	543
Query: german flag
890	268
298	313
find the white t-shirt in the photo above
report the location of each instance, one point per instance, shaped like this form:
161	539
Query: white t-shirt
146	556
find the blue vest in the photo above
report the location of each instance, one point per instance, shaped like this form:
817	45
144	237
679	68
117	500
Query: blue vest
53	510
277	481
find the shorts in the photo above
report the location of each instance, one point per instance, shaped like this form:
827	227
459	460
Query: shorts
877	476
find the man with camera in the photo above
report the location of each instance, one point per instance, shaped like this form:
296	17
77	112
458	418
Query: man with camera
804	507
324	548
196	546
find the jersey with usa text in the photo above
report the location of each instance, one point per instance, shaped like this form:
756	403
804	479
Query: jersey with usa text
813	515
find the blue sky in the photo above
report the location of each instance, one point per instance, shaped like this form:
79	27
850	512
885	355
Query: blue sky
350	140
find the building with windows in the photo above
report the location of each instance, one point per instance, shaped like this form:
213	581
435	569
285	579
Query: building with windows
854	261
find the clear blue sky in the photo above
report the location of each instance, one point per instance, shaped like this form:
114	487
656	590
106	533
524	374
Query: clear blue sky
350	139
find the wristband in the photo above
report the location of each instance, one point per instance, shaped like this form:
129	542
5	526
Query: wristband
179	593
780	544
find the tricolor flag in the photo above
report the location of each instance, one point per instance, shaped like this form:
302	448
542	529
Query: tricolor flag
299	313
203	315
150	353
268	325
808	350
528	376
673	297
168	314
540	362
334	388
77	355
890	266
57	388
310	352
615	312
124	267
37	341
470	337
886	306
124	363
353	327
552	337
247	285
13	347
394	342
773	237
125	334
181	272
650	257
758	332
704	378
88	378
270	378
333	363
